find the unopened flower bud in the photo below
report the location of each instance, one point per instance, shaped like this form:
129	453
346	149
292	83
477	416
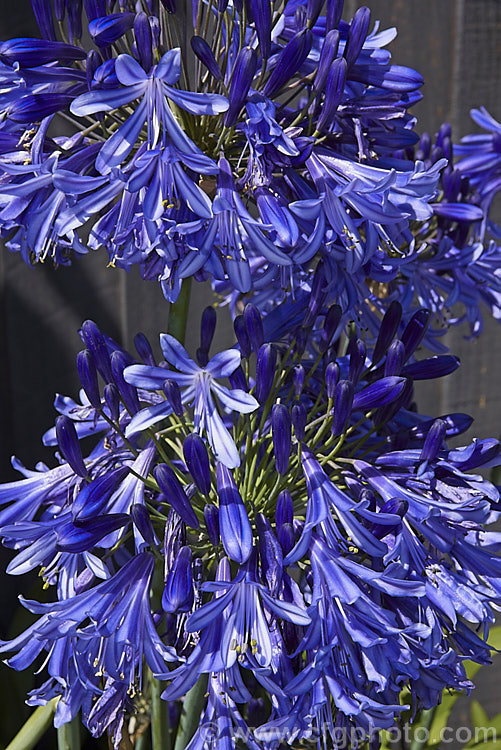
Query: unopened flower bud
69	446
197	461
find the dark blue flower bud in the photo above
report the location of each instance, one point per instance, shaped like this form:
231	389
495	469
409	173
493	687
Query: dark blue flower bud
289	62
394	358
105	31
94	9
284	510
105	76
254	327
237	379
211	515
207	328
202	357
242	337
128	392
415	331
368	497
431	367
328	54
331	323
270	554
331	378
197	461
69	446
259	11
265	371
445	131
241	80
436	154
143	348
71	538
298	379
396	506
206	56
94	341
333	13
343	400
112	398
142	522
179	593
424	147
59	9
313	10
88	377
172	488
33	107
298	417
31	52
301	339
75	19
144	40
286	538
173	395
357	352
334	89
357	34
316	298
388	329
281	433
93	62
43	14
434	441
94	496
234	525
380	393
385	413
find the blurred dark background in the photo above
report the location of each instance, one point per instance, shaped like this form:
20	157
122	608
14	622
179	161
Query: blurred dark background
456	45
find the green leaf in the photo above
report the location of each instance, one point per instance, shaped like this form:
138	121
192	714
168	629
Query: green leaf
495	723
385	740
160	729
478	716
191	713
496	475
490	745
441	718
34	729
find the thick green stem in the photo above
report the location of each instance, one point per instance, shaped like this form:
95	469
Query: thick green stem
191	713
34	729
160	729
68	736
178	312
425	722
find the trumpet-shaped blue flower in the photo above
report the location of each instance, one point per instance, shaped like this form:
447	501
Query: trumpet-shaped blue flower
155	91
199	387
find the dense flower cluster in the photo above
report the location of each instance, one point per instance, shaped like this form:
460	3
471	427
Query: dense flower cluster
276	520
264	143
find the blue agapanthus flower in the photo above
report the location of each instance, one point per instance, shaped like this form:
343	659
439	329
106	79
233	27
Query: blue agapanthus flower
276	524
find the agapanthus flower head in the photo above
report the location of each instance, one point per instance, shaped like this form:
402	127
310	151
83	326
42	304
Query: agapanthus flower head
297	537
258	146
